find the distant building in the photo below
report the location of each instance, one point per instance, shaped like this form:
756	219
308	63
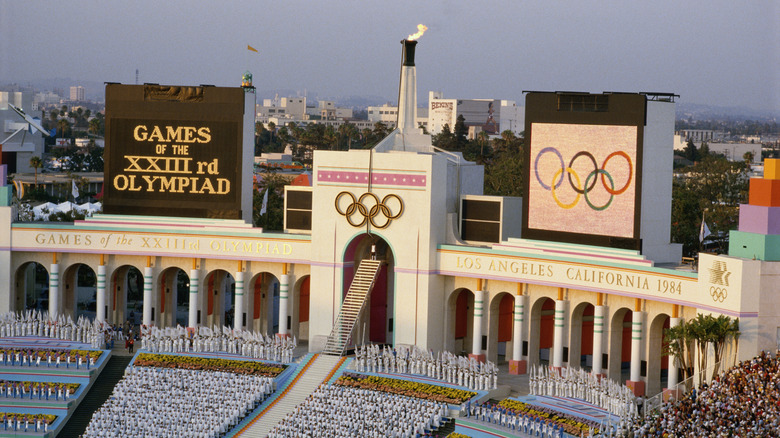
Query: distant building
489	115
15	153
329	111
293	108
707	135
77	94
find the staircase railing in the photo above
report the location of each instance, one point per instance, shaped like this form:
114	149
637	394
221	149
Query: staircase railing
352	307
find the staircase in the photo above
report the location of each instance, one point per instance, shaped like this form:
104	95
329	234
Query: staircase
352	306
313	372
97	395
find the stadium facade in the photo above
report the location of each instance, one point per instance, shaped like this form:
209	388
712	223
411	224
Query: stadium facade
580	272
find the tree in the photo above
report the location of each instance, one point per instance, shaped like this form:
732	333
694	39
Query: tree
690	152
722	330
63	126
445	139
748	157
716	186
679	342
272	219
461	132
95	126
36	163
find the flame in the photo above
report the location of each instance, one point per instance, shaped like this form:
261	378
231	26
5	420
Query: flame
421	28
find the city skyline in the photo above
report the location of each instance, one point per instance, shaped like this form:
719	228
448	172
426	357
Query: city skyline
718	54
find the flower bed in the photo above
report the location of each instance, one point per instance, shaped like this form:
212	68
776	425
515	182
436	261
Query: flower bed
405	387
44	353
27	385
209	364
32	418
570	424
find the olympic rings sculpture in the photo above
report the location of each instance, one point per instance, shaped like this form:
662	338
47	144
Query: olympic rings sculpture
718	294
590	182
369	213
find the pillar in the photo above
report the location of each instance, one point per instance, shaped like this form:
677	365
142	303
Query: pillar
101	293
284	295
598	339
673	371
54	290
238	310
517	365
148	300
635	381
193	310
476	339
560	318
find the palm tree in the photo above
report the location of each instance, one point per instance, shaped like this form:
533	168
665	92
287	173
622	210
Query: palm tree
94	126
63	125
723	330
36	163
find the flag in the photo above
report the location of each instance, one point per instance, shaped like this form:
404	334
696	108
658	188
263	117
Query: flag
704	231
264	205
74	189
251	48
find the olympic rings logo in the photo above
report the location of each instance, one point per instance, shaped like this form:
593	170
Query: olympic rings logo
368	213
590	182
718	294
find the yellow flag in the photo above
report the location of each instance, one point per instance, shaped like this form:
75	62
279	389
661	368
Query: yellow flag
251	48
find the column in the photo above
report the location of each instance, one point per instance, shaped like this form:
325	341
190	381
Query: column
598	336
517	365
635	381
476	339
148	300
284	286
54	290
193	315
671	384
238	309
101	293
560	309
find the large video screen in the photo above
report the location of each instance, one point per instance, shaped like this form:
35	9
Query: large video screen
583	179
173	151
583	163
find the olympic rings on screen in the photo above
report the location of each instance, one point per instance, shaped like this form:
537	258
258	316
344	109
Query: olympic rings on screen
718	294
590	181
368	213
571	172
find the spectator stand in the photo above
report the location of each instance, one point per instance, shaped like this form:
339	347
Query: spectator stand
84	375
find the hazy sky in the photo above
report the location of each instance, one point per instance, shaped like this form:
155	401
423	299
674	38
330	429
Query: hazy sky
718	52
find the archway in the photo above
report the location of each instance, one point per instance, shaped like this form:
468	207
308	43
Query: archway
174	297
502	308
79	291
300	314
620	345
581	338
540	341
220	288
264	303
376	321
657	361
125	297
32	288
460	321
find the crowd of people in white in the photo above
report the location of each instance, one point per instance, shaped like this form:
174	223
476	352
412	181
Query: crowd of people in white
36	323
615	398
445	366
177	403
212	340
335	411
